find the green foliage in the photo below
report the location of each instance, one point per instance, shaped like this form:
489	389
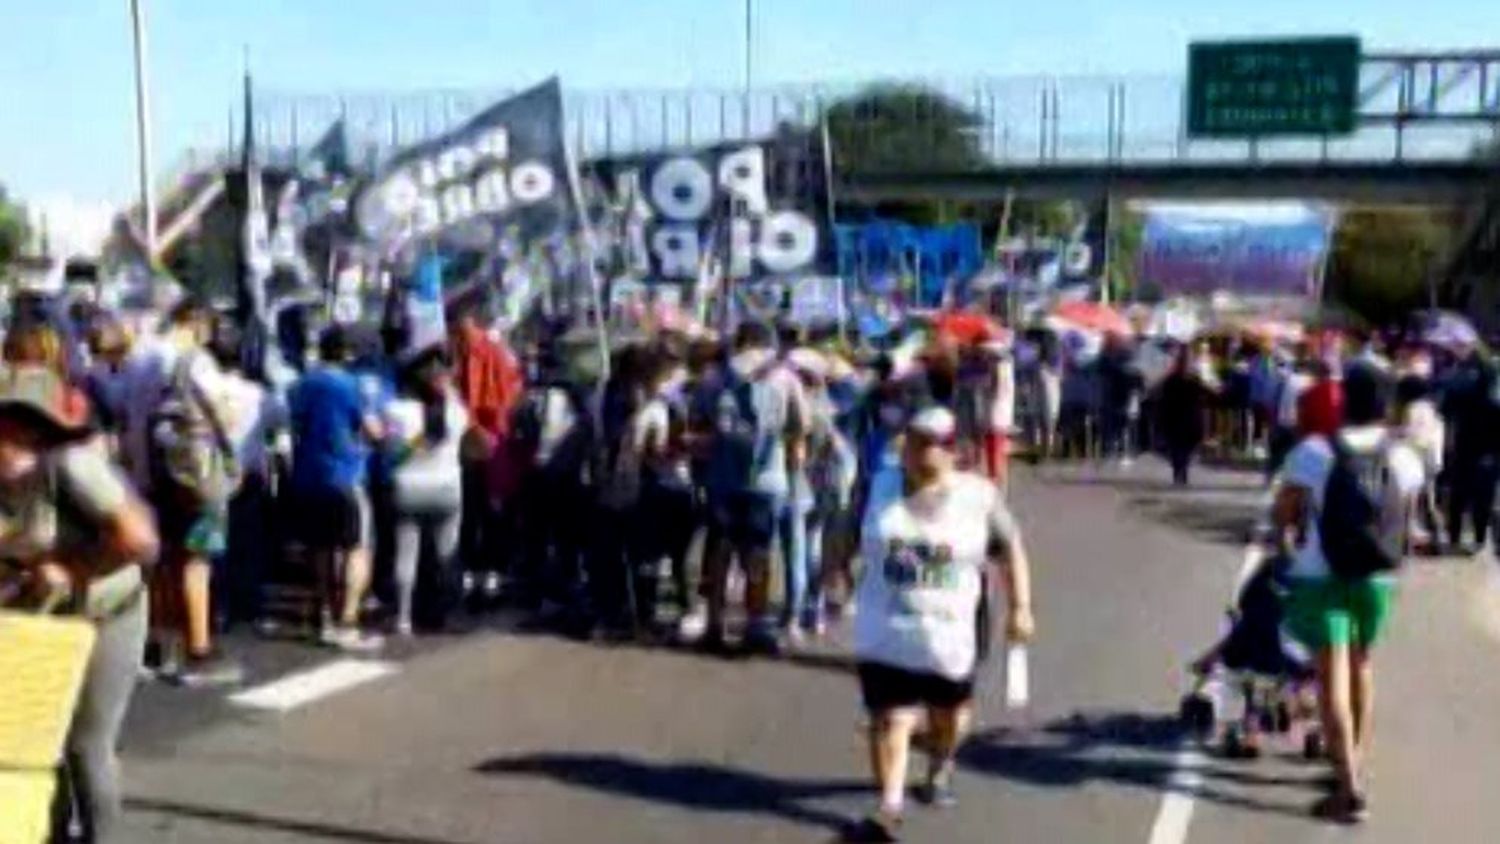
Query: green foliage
1127	232
1384	258
14	230
897	127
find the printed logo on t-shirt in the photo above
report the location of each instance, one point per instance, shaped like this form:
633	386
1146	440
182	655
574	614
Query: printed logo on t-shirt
920	565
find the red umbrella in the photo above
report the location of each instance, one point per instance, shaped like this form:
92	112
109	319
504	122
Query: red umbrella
1093	316
968	328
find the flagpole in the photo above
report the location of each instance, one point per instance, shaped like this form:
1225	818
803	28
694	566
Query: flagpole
143	123
1109	236
590	249
828	187
749	60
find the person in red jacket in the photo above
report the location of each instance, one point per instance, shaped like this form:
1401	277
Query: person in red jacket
1320	408
488	379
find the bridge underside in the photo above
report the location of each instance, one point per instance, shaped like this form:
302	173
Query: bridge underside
1415	182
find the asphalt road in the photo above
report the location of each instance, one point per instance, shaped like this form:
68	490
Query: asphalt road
505	737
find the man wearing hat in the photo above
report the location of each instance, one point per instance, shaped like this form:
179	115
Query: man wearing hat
72	537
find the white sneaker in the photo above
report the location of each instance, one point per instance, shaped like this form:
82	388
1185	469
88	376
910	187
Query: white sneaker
692	627
402	630
352	640
491	587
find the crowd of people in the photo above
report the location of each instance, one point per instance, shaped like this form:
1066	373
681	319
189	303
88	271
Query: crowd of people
709	491
728	493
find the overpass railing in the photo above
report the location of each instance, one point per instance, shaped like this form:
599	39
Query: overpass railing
1412	107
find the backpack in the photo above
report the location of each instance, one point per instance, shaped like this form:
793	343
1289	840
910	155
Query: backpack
192	453
1352	525
742	446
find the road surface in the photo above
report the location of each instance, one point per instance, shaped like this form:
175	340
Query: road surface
502	737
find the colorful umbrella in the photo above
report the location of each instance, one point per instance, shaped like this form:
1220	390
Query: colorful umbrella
1092	316
1448	330
969	328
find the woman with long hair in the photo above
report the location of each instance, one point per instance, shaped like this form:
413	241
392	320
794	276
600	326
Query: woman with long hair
427	426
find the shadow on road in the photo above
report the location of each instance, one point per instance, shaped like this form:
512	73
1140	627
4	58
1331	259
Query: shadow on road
1149	486
1216	521
696	786
1114	748
267	823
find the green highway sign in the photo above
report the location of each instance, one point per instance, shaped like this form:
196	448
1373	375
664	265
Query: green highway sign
1253	89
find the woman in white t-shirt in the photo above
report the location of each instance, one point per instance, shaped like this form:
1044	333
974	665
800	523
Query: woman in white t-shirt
929	532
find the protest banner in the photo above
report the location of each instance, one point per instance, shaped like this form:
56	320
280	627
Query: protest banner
506	166
1271	249
727	201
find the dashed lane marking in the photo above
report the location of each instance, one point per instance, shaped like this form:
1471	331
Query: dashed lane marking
313	684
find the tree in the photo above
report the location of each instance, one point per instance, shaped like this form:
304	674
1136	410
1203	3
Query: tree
899	127
905	128
14	231
1384	259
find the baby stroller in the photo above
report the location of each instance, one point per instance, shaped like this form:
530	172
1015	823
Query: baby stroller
1271	673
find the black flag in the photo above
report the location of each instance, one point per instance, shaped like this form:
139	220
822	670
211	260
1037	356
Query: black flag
506	166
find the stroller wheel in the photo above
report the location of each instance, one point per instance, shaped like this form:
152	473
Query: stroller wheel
1238	746
1283	718
1267	719
1197	713
1312	746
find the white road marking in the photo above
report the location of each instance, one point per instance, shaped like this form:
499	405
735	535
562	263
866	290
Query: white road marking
1176	812
304	687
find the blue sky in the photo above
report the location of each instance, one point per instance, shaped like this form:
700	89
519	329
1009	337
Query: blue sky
66	100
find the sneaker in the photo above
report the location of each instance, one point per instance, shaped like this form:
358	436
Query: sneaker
490	588
211	671
714	643
693	625
795	638
267	628
875	829
938	794
161	662
402	630
351	640
763	641
1342	808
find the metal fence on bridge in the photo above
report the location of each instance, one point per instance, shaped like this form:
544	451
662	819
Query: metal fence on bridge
1438	107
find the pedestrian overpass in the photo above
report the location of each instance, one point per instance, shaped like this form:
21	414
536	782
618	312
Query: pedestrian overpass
1422	119
1431	182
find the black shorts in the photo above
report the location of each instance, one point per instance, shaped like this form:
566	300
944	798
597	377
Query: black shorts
332	519
886	687
747	519
176	515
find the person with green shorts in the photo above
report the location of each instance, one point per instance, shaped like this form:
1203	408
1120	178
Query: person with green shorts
1341	618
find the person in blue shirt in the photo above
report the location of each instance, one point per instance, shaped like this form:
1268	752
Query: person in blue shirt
333	424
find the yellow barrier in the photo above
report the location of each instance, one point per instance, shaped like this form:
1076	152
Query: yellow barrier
42	663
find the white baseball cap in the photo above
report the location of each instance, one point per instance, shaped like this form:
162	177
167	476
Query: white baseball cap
935	422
